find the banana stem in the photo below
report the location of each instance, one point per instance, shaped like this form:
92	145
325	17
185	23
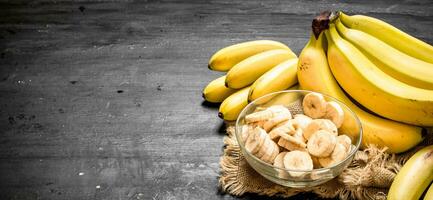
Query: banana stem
321	22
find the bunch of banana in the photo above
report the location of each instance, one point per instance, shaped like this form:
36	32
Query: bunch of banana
314	74
414	177
384	80
254	69
376	71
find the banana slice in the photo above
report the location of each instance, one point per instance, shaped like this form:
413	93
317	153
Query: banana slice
345	141
291	146
280	117
255	140
265	114
314	105
299	134
245	132
282	128
301	121
321	144
297	160
335	113
320	124
269	156
279	159
259	124
292	139
338	154
267	147
279	162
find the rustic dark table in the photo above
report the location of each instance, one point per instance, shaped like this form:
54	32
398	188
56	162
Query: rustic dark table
102	99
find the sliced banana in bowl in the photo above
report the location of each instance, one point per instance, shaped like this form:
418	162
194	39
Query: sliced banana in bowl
297	146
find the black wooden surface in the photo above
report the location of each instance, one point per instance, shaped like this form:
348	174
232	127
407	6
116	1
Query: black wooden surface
102	99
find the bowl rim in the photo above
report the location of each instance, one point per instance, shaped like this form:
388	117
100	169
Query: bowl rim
351	154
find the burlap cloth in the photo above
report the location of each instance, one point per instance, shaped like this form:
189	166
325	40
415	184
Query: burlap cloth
369	176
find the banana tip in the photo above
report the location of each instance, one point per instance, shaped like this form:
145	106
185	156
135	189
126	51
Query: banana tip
204	96
226	84
220	114
209	67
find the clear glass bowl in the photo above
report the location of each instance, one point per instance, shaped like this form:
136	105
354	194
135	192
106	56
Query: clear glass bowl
303	178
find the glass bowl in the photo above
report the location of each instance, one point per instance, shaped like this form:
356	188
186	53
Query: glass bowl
292	99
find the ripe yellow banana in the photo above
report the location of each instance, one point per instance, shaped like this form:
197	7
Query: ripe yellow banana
373	88
399	65
314	74
232	106
414	177
283	98
390	35
226	58
216	91
247	71
278	78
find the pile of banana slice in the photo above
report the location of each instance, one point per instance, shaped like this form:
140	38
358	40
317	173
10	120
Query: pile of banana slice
300	142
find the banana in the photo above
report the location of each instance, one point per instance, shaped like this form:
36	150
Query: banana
249	70
299	134
301	121
399	65
345	141
314	105
314	74
280	117
378	92
216	91
276	79
255	140
414	177
269	157
226	58
233	105
245	132
321	143
261	145
266	148
295	140
282	128
284	98
338	154
335	113
320	124
279	162
259	124
390	35
266	114
297	160
291	146
429	194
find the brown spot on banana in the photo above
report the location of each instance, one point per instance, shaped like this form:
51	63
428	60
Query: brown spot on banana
428	155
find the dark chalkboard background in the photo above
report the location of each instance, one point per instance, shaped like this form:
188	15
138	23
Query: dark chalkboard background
102	99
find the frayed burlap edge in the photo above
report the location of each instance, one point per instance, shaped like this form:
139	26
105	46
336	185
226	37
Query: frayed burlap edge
369	176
